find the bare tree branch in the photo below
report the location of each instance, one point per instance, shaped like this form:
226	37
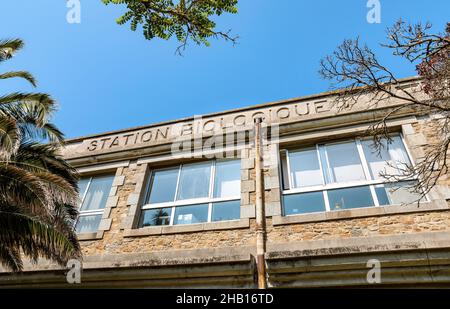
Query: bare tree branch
355	69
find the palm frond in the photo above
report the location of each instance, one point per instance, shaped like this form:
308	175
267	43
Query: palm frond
38	188
43	100
9	47
9	136
47	156
25	188
10	257
35	237
20	74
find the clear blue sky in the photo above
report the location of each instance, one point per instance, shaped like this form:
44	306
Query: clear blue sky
106	77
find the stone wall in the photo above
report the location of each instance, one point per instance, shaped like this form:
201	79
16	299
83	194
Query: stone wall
114	240
419	136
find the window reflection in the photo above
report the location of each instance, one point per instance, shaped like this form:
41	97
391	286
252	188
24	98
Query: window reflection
357	197
396	193
303	203
191	214
194	181
227	182
163	185
156	217
225	211
88	224
97	193
343	163
389	159
305	168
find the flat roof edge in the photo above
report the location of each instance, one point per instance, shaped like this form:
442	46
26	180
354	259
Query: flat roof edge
256	106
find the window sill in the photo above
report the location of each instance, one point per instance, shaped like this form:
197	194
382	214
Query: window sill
90	236
177	229
437	205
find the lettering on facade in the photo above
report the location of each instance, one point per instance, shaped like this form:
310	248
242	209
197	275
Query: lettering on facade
207	126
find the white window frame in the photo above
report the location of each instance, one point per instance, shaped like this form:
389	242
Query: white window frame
350	184
210	200
86	213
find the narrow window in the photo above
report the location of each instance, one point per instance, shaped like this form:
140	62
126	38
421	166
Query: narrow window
94	192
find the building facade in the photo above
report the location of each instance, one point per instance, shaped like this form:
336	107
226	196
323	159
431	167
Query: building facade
173	204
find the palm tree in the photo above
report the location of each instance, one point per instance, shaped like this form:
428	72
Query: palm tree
38	188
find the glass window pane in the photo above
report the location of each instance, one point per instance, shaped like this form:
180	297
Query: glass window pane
155	217
97	193
356	197
382	195
388	159
223	211
191	214
88	224
344	162
305	168
303	203
163	185
396	193
194	181
227	180
82	185
284	172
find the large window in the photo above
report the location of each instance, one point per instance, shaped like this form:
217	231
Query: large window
344	175
193	193
94	192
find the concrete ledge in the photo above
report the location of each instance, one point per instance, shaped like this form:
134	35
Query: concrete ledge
406	260
188	257
191	228
358	245
102	167
437	205
213	268
89	236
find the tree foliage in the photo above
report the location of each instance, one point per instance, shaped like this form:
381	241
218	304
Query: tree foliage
355	68
184	19
38	188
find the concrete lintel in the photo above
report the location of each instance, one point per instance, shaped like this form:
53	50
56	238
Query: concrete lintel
103	167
